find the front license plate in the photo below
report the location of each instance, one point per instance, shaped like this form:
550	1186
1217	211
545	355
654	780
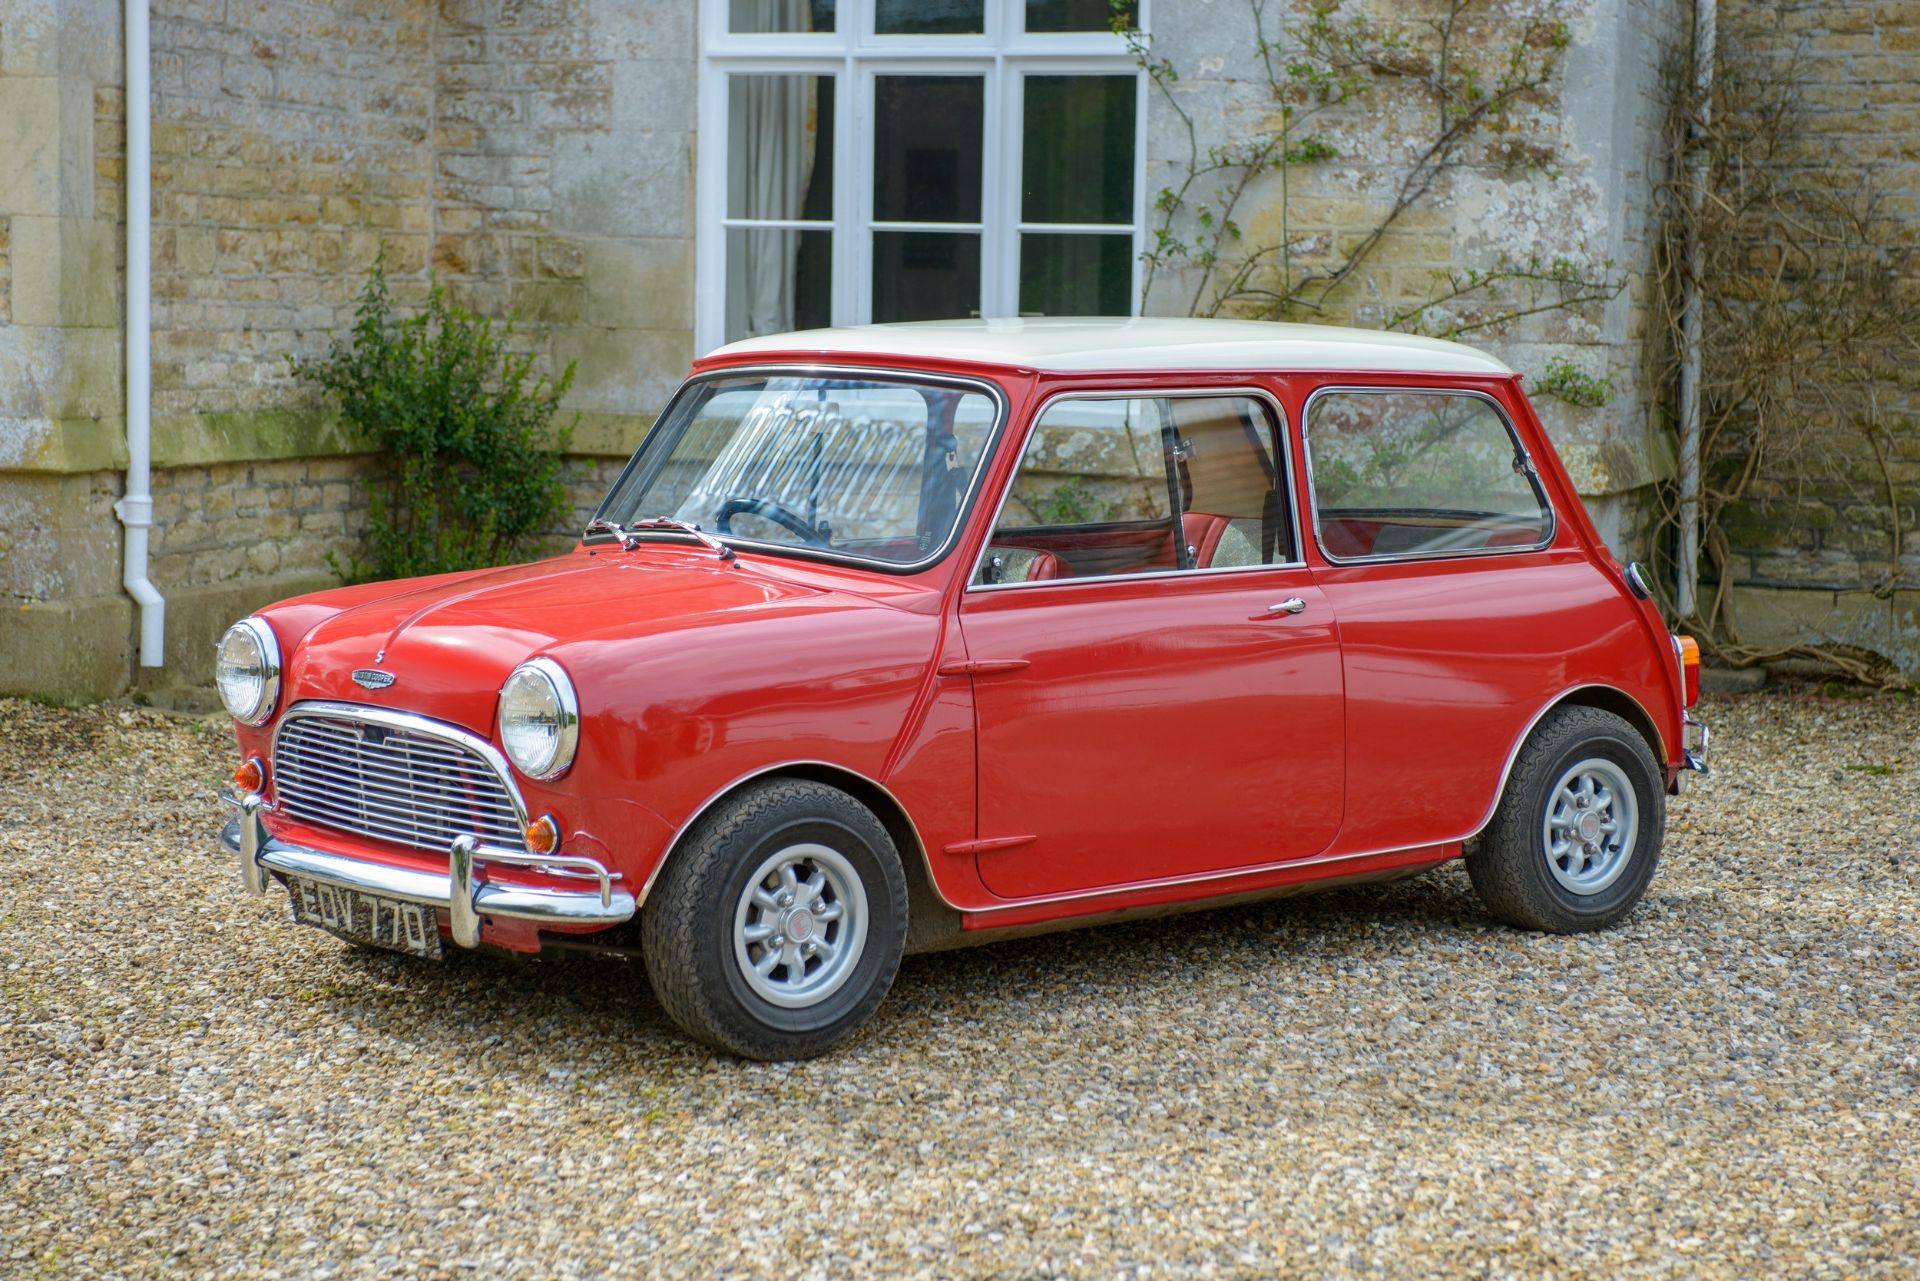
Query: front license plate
359	917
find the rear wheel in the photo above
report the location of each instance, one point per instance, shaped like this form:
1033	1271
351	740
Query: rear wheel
778	927
1576	838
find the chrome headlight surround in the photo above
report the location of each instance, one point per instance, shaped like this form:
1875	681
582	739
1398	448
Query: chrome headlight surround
246	670
539	719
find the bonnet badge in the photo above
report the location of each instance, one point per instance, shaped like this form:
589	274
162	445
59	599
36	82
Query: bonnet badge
372	678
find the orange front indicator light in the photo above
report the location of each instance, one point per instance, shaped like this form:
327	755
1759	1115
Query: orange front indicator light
1689	668
543	835
252	776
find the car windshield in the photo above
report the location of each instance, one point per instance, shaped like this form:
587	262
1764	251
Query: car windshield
873	468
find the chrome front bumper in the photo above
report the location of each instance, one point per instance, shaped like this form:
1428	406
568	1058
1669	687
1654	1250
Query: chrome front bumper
464	893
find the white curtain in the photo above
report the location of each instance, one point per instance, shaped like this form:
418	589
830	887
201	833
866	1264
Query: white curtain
770	154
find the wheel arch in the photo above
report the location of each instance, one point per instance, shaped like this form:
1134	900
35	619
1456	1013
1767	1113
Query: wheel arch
1605	698
930	917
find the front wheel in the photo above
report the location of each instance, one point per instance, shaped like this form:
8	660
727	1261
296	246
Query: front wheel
777	929
1575	840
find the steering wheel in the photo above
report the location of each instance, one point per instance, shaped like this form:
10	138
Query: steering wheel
770	509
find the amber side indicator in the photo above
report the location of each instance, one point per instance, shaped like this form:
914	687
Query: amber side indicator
252	776
1690	668
543	835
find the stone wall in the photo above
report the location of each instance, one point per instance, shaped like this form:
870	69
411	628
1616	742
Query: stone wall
535	154
1814	546
1573	179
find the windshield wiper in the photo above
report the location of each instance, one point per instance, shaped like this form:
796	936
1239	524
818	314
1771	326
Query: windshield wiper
629	535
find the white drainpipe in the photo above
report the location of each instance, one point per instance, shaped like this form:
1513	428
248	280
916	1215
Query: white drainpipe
136	509
1686	601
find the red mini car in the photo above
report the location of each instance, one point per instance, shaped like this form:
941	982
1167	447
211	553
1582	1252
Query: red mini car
896	638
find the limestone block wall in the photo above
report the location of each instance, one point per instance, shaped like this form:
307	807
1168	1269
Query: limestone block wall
535	154
1573	179
1822	550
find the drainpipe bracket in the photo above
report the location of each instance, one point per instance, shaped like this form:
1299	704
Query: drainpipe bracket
135	511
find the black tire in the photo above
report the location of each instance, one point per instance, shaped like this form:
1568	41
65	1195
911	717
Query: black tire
688	927
1514	870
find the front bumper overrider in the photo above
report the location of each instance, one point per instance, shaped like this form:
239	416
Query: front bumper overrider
464	893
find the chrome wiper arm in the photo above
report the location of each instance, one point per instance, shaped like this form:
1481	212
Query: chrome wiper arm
677	526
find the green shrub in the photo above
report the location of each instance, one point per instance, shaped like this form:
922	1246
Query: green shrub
475	461
1565	380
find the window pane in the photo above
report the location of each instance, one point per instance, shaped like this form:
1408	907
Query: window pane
778	280
1091	497
876	468
780	15
1094	495
1416	473
1232	504
780	147
1076	275
929	17
927	148
1078	15
1077	149
925	275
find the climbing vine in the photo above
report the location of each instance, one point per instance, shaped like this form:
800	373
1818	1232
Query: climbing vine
1810	342
1475	76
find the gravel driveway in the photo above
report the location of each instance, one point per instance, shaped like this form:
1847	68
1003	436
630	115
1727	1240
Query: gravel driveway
1376	1081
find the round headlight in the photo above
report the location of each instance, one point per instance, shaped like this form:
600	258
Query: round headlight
539	719
247	671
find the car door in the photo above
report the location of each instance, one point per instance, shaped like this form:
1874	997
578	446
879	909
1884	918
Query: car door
1150	706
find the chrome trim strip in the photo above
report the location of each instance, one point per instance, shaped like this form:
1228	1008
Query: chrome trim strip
1132	887
1283	461
673	842
1520	447
520	902
882	373
414	723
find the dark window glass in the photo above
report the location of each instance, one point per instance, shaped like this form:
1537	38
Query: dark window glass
1077	149
1079	15
748	16
1075	275
927	148
925	275
929	17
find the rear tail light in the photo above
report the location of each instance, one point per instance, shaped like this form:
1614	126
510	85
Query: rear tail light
1689	669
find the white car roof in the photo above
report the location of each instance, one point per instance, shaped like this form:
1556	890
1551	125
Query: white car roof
1140	344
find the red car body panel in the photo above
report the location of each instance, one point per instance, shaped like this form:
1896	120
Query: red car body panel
1069	749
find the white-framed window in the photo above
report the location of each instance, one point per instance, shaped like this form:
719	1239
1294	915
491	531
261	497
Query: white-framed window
873	160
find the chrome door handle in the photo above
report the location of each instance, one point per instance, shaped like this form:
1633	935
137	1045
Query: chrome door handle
1291	605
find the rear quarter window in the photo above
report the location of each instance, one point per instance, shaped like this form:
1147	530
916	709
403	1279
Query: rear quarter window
1401	473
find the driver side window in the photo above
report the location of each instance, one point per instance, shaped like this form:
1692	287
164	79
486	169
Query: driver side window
1139	485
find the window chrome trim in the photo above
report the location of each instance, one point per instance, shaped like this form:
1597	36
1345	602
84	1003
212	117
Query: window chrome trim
993	390
1283	481
1513	434
417	724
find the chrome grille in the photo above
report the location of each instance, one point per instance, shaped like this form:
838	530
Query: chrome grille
391	781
